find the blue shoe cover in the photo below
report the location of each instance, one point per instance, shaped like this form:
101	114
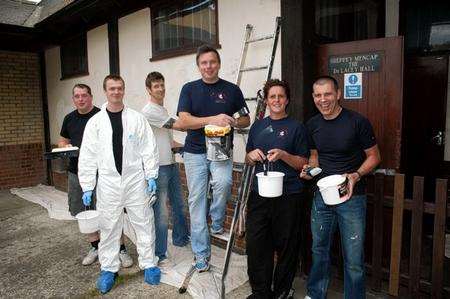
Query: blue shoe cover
152	275
105	281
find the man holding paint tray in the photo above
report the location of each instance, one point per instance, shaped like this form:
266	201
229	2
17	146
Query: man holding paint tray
209	101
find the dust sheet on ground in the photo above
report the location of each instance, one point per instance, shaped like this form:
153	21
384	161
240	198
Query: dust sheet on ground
202	285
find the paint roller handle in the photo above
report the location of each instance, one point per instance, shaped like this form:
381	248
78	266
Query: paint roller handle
264	166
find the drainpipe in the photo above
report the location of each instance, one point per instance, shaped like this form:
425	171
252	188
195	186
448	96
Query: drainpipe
47	141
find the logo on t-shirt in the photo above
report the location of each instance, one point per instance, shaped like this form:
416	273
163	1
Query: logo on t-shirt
282	133
219	97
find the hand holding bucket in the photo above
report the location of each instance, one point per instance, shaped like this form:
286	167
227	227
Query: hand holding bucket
88	220
270	183
334	189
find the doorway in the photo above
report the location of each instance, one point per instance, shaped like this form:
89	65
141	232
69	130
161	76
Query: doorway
426	150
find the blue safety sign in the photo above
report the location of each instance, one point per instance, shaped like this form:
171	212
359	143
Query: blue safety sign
353	86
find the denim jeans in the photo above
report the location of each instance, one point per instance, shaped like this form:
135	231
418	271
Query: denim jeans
169	188
350	218
197	169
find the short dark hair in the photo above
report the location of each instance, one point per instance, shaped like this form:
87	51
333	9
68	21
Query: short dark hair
206	49
327	79
276	82
114	78
82	86
152	77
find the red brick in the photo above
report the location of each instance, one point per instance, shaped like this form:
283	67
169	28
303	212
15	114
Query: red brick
21	166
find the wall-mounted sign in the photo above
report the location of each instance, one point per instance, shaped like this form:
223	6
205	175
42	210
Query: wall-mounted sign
353	86
354	63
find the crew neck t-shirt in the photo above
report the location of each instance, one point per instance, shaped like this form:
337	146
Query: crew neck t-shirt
157	116
286	134
73	128
340	143
201	100
117	134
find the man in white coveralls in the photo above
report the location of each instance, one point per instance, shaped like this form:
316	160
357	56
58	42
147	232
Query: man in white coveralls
119	145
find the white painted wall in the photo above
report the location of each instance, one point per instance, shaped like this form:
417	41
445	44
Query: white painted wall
392	17
135	52
60	91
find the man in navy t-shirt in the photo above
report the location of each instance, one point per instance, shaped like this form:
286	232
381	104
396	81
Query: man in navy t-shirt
341	142
207	101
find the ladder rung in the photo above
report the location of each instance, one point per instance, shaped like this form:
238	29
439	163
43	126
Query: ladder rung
254	68
238	166
258	39
225	236
251	99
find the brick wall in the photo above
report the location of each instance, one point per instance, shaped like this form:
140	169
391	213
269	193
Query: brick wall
21	121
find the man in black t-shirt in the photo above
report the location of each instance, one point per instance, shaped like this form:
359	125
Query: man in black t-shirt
341	142
71	135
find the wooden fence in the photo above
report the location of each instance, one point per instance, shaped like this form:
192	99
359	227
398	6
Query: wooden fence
395	201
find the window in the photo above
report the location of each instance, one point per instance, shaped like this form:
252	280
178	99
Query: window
426	26
348	20
180	27
74	57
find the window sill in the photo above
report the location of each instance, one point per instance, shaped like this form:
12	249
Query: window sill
81	74
178	52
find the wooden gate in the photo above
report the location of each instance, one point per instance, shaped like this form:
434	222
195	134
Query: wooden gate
407	218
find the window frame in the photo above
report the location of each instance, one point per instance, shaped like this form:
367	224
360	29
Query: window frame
183	50
380	27
84	70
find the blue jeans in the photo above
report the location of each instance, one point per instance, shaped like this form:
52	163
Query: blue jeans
350	218
169	188
197	169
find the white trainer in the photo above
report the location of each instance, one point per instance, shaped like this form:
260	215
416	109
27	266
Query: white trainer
90	257
125	259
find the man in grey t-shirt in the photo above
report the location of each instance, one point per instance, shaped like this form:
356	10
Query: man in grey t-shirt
168	182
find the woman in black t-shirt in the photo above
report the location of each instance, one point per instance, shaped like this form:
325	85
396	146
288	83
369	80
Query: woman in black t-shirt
273	224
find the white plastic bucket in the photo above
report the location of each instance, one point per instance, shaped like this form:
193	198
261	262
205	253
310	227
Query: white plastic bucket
270	185
88	221
333	189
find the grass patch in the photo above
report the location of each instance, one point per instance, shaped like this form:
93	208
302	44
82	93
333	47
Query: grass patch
120	280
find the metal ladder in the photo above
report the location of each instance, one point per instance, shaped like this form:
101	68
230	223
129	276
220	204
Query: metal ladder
248	171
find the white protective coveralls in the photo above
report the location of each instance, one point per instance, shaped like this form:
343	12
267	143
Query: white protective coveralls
116	192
